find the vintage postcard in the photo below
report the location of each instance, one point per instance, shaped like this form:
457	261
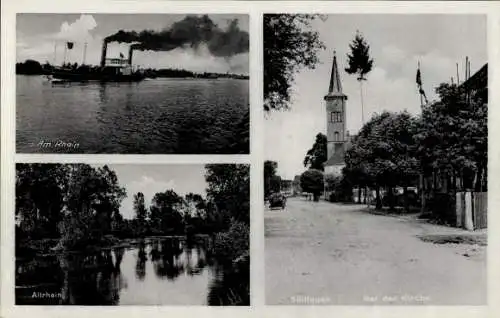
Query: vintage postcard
249	159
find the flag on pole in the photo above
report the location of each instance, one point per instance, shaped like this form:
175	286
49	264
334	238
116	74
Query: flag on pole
69	45
419	83
419	77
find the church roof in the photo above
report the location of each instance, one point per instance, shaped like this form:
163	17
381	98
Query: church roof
337	159
335	88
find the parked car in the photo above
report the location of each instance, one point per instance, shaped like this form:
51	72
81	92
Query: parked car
277	200
399	197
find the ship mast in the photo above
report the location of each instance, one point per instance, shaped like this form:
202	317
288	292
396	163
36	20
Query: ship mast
65	51
55	52
84	53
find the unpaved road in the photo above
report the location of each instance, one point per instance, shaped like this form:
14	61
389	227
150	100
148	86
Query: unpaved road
324	253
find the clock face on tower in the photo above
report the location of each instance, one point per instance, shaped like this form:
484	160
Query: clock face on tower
337	105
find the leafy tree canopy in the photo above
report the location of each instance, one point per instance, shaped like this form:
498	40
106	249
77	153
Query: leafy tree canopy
317	155
359	59
229	188
289	45
272	182
383	153
311	181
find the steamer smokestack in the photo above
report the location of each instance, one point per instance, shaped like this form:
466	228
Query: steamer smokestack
103	53
130	54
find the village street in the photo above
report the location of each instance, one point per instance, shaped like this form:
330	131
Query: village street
325	253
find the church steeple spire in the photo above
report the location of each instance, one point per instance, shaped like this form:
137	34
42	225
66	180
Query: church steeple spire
335	88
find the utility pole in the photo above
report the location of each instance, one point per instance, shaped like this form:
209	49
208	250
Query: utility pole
422	176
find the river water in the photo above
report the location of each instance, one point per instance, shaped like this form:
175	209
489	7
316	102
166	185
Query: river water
162	116
167	271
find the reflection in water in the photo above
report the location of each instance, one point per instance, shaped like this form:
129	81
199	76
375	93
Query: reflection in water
140	268
100	278
230	287
91	279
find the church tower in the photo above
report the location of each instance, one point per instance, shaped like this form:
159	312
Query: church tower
335	102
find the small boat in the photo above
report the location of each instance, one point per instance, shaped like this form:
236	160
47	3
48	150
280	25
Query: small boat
58	81
50	79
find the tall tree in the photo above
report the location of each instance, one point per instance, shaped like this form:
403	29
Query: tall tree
140	212
384	153
195	218
229	188
40	190
453	136
165	212
290	44
360	63
196	204
317	155
109	195
140	207
272	182
92	196
311	181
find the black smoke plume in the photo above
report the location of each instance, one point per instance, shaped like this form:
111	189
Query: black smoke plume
189	32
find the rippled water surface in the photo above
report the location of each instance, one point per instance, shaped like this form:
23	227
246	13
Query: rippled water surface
168	271
152	116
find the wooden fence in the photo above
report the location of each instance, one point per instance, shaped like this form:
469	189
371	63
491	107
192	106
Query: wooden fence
472	210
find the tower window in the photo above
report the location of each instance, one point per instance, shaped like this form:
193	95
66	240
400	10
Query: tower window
336	117
336	136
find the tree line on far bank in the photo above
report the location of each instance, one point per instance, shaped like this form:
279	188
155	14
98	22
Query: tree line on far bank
32	67
76	206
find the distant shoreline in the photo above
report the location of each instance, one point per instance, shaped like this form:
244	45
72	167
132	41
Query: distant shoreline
46	247
32	67
170	77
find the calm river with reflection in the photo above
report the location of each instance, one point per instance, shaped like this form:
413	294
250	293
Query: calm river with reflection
166	271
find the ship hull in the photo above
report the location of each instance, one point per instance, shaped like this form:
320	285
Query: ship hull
75	77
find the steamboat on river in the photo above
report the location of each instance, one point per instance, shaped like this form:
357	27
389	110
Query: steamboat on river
110	70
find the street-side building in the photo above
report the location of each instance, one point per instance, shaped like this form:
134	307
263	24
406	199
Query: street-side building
286	187
296	188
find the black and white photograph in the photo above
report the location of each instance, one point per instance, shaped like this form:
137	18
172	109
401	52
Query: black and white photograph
129	234
376	159
132	83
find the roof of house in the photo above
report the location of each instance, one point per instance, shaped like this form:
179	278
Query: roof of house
478	80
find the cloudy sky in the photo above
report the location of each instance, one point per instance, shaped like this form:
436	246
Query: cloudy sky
397	43
38	34
151	179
